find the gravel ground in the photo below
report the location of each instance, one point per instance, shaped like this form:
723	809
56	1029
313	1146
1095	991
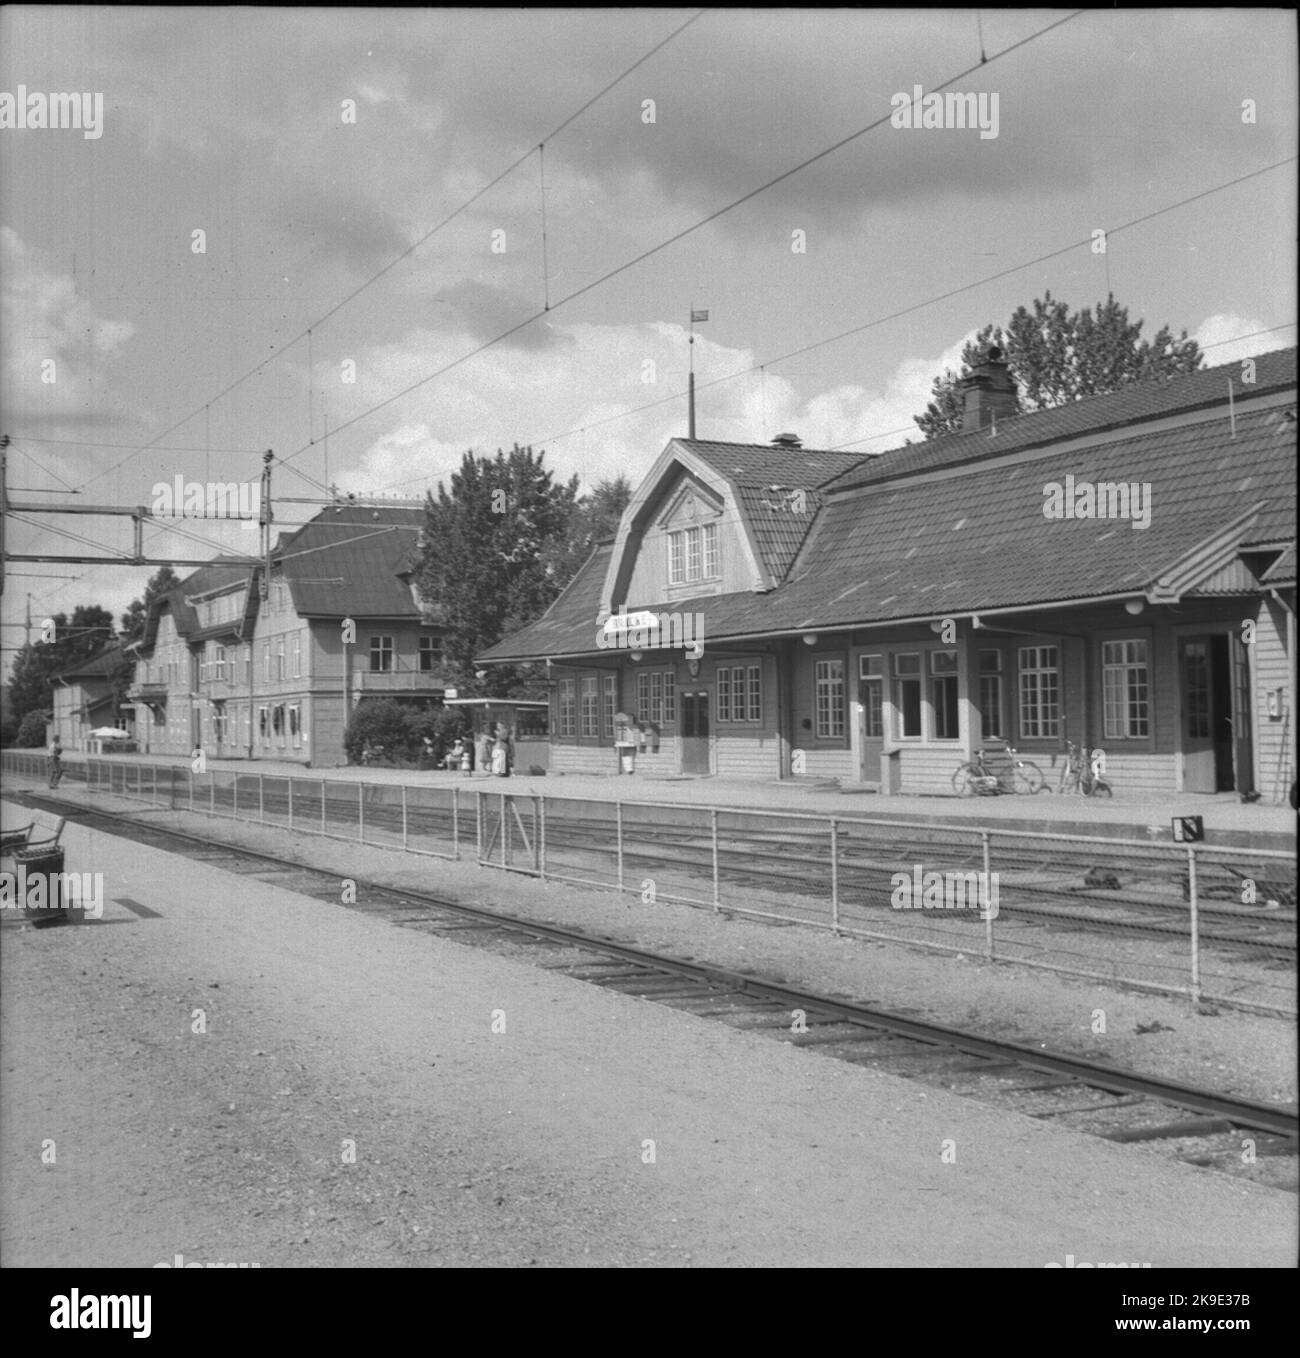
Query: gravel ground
530	1146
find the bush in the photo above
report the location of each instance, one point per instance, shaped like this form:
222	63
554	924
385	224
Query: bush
31	732
382	722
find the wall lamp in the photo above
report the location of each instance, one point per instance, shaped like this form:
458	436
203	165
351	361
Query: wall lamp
1135	606
810	638
634	657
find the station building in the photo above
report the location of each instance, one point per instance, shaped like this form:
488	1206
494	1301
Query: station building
1118	572
276	674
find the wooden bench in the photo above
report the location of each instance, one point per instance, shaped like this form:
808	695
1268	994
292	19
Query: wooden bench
42	833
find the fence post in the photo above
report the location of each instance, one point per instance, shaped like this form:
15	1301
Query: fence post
536	834
212	794
1194	922
618	839
988	889
713	823
505	829
190	780
322	806
234	798
261	796
478	826
541	838
403	815
455	823
289	781
361	812
835	876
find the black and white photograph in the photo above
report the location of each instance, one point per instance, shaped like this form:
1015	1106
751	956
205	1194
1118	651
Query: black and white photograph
648	639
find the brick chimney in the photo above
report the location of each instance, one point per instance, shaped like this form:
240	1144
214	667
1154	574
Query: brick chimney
988	392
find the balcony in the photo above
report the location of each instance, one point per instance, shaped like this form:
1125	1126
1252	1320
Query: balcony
148	693
429	683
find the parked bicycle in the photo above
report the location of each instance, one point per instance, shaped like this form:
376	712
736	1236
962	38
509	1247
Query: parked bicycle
995	770
1081	772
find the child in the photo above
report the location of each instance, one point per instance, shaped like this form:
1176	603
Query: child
466	760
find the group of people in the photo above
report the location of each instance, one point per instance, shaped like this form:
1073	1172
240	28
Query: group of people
492	753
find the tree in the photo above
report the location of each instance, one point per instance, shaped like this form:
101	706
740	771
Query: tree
31	685
483	567
1057	357
163	581
595	517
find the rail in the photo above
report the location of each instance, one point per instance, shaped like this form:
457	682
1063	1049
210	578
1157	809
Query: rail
1217	924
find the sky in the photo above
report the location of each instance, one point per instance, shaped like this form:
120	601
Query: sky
259	174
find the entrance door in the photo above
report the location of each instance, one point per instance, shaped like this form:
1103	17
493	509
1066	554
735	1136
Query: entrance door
695	732
872	728
1207	730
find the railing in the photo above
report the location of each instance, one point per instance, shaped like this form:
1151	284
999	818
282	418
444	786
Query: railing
1212	922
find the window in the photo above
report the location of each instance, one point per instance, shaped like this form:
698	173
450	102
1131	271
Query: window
871	672
1040	692
297	655
590	714
657	698
279	659
990	692
566	718
1196	665
907	695
675	569
943	694
262	720
670	697
693	554
710	535
295	725
430	654
740	693
608	703
266	660
829	675
248	664
643	696
381	655
1125	697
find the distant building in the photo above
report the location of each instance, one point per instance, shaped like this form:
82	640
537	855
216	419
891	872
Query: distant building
1118	572
239	675
84	699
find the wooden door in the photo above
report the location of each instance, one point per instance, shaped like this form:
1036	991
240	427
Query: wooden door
695	732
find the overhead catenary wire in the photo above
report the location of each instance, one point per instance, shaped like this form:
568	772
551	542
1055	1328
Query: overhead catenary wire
678	236
410	250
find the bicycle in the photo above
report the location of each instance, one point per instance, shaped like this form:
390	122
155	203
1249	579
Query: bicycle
980	778
1081	772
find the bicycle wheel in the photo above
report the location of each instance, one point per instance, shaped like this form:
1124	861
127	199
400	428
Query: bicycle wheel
963	781
1028	777
1065	783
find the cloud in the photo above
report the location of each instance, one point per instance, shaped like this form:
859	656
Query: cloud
484	312
1222	331
57	346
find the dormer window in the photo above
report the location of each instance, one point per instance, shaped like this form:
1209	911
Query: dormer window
693	554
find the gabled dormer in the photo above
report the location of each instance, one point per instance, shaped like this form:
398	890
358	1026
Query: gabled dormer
716	518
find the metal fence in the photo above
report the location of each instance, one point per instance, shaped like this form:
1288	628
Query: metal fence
1212	922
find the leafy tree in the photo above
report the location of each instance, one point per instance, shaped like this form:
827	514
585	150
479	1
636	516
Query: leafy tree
484	564
31	685
595	517
1057	356
163	581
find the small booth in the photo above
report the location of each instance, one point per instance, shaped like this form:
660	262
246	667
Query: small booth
524	719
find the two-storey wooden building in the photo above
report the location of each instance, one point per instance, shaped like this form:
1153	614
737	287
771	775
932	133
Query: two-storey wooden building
242	671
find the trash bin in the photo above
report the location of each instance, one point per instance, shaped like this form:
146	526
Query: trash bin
626	758
40	871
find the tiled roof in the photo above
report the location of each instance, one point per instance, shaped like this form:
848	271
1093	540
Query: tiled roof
1135	402
98	666
571	620
978	539
762	476
345	562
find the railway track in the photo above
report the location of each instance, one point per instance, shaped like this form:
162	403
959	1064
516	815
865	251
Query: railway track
1118	889
1207	1128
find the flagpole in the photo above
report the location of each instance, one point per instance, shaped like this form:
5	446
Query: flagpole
691	380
